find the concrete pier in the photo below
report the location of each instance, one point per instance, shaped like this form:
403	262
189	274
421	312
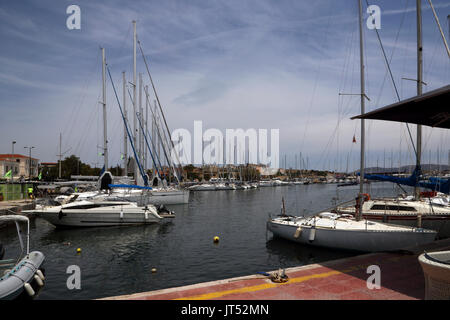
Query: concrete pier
15	207
401	278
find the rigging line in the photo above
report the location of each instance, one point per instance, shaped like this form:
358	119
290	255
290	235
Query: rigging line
393	50
128	132
75	111
152	140
159	135
166	144
157	155
156	95
86	132
315	84
393	81
440	29
146	141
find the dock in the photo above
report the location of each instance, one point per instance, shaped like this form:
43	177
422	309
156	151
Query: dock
15	207
401	278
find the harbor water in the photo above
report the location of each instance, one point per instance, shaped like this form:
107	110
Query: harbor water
119	260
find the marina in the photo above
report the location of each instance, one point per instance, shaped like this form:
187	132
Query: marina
118	200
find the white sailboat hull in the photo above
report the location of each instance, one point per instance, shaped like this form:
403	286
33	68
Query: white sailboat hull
142	198
75	215
168	197
406	213
371	240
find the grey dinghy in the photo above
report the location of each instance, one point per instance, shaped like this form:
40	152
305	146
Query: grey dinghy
23	277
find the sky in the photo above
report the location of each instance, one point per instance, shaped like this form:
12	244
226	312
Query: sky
260	64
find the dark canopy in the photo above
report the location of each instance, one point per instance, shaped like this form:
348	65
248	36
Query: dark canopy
430	109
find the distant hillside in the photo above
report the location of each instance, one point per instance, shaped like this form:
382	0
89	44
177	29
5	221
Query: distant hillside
409	168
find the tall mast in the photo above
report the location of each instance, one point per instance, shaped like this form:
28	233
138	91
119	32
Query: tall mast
146	125
105	141
134	99
419	86
125	145
60	154
361	59
141	138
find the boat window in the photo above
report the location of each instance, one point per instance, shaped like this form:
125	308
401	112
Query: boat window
90	206
392	207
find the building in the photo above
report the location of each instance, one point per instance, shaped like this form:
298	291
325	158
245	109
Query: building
49	164
19	165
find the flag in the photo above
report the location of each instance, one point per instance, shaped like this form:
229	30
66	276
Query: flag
8	174
40	175
354	139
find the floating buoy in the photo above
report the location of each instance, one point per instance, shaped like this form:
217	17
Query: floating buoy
79	250
28	289
40	274
38	280
216	239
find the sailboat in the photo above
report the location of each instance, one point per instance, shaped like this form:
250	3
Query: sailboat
98	213
344	231
160	193
140	191
425	209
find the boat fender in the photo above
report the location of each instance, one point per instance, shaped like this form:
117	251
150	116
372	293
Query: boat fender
28	289
38	280
298	232
121	214
146	215
40	274
60	214
312	234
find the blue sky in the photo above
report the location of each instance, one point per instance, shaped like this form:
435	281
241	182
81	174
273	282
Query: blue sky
232	64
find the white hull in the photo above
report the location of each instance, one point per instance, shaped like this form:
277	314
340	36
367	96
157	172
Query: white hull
79	214
167	197
406	212
377	237
141	197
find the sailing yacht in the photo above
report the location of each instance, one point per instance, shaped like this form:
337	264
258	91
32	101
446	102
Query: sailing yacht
423	213
86	213
424	209
343	231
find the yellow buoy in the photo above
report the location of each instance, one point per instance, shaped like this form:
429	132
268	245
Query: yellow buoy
216	239
79	250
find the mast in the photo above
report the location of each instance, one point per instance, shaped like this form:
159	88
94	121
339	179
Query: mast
146	125
125	145
105	141
361	59
141	138
60	154
134	99
419	87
